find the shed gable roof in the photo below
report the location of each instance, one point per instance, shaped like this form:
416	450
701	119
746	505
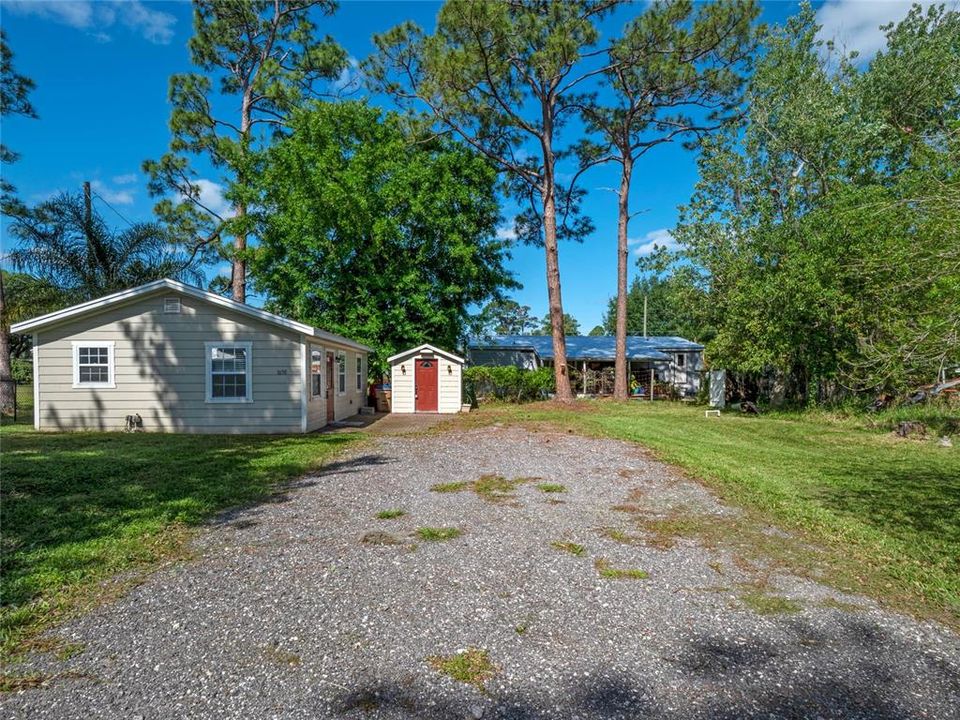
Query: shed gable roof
429	347
92	307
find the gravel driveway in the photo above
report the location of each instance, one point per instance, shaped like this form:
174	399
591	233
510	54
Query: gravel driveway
287	612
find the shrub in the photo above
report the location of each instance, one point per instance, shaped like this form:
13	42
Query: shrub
21	370
507	383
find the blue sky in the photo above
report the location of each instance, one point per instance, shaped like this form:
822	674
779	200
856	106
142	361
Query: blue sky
102	70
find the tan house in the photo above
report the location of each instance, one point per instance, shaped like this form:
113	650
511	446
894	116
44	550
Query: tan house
426	379
186	360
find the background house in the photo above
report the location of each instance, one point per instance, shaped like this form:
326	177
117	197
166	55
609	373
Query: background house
674	360
188	360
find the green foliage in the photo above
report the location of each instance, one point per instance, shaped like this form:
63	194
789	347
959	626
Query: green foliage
505	316
508	383
675	306
382	236
598	331
78	508
21	370
73	260
827	228
571	326
263	58
15	92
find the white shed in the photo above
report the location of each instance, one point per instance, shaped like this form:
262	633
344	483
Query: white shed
426	379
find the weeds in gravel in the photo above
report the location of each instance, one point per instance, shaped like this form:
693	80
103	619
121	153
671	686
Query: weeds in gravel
619	536
438	534
490	487
16	683
612	573
495	488
450	487
763	603
390	514
552	488
281	657
471	666
569	547
834	604
379	537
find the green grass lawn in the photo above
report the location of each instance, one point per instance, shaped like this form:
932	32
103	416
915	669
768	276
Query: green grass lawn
884	512
85	514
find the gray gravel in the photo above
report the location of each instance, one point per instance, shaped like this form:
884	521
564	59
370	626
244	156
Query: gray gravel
286	613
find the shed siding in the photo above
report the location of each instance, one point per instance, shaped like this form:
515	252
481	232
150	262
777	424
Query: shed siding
450	387
401	387
449	380
160	371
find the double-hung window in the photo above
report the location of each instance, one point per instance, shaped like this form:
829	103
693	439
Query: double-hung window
93	364
229	376
359	373
316	373
341	372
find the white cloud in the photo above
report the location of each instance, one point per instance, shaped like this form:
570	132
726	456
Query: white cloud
350	78
211	197
111	195
506	233
652	240
155	26
127	179
855	24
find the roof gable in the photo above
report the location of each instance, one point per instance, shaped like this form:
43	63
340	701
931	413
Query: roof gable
92	307
428	347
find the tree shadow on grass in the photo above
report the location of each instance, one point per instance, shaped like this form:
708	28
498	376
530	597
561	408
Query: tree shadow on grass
910	501
89	504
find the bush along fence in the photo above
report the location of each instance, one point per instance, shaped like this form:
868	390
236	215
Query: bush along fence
507	384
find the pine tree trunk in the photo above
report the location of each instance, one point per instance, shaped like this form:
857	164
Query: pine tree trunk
561	378
621	384
239	284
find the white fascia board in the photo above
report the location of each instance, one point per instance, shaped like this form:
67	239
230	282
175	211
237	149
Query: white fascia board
430	348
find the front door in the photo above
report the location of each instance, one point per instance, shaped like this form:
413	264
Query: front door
330	394
425	381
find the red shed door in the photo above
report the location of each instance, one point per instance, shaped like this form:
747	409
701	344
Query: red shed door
425	380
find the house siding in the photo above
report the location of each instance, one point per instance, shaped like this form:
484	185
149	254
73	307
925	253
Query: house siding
160	371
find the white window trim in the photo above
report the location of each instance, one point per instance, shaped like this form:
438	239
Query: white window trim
341	354
208	371
323	371
112	382
359	378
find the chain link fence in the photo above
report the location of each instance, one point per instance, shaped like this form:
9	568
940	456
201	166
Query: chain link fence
16	402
